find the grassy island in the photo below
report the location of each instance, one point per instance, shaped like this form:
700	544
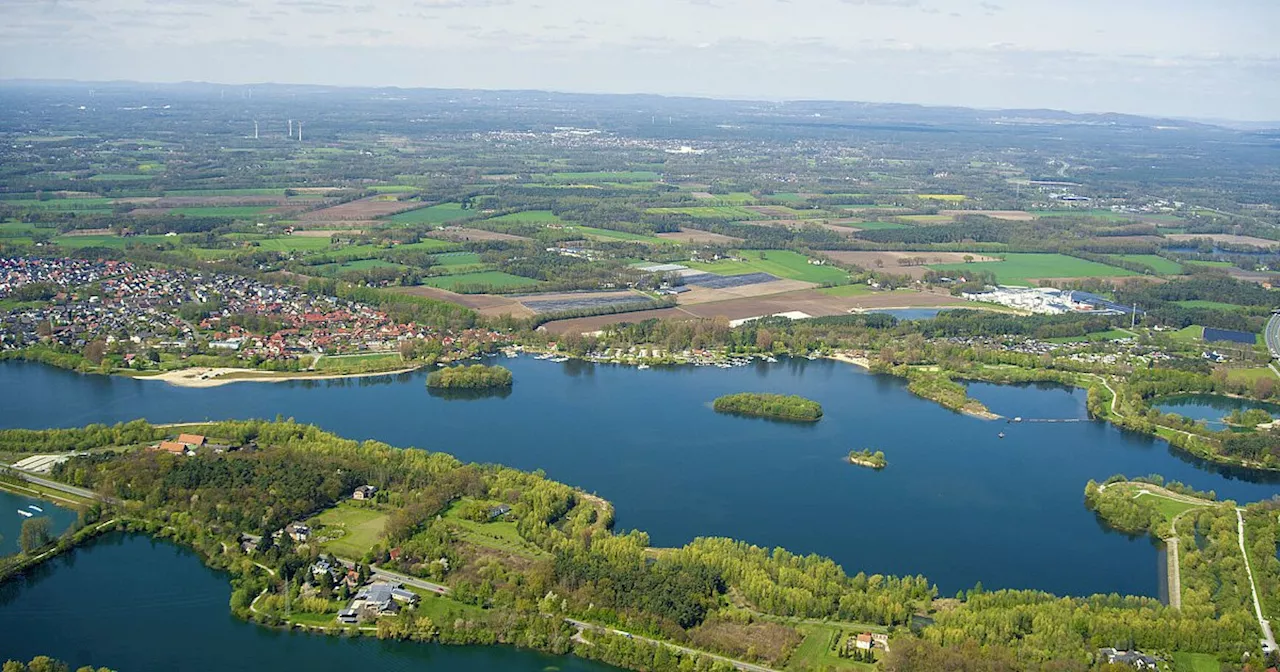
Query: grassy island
475	377
779	406
867	458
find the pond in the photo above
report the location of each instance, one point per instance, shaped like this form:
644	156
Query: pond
1211	408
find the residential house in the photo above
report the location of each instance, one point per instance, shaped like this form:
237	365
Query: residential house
193	440
864	641
173	447
499	511
364	492
298	532
1135	659
381	599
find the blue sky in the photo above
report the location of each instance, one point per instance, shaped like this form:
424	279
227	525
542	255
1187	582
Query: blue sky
1190	58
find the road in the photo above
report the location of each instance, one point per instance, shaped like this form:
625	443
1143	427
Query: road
402	578
746	667
60	487
1268	640
1272	333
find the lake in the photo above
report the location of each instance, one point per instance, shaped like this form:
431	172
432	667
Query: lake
1211	408
129	602
11	521
911	313
956	503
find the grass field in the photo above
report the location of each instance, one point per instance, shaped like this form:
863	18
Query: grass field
529	216
119	177
1169	508
1021	268
359	265
708	212
1195	662
950	198
436	214
362	528
1210	264
226	192
116	242
1194	332
284	243
231	211
373	361
499	535
877	226
814	653
782	263
1156	262
440	608
495	278
457	259
1216	305
607	176
1249	376
393	189
928	219
617	235
847	290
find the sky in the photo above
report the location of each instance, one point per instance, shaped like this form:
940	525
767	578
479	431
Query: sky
1212	59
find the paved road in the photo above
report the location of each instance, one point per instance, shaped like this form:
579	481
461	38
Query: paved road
402	578
1272	333
61	487
1268	640
746	667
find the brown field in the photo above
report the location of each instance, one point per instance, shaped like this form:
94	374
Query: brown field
699	295
463	234
889	260
89	232
1225	238
218	201
1253	276
1010	215
363	209
324	225
694	236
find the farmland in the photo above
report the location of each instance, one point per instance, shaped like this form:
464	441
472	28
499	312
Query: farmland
782	263
1158	263
708	212
495	279
435	214
536	216
1023	268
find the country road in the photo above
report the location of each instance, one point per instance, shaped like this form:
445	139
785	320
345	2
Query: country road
1268	640
747	667
60	487
1272	333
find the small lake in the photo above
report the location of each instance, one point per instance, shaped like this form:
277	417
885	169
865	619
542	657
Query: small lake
957	503
11	521
1211	408
129	602
911	313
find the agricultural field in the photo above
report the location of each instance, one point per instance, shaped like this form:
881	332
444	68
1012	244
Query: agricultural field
492	278
949	198
847	290
111	241
1216	305
536	216
225	192
215	211
119	177
708	212
284	243
1022	268
1158	263
782	263
357	528
607	176
875	226
357	265
457	259
928	219
617	235
435	214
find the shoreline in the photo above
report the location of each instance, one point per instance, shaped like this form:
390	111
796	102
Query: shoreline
202	377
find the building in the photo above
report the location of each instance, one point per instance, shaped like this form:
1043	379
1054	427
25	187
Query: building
298	532
173	447
364	492
379	599
499	511
864	641
193	440
1135	659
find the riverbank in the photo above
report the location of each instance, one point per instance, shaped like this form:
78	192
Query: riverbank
214	377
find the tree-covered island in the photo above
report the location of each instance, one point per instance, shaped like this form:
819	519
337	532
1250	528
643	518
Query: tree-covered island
867	458
779	406
475	377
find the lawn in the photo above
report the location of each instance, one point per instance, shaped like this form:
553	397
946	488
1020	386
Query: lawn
617	235
529	216
1194	332
1021	268
814	653
440	608
1158	263
213	211
1195	662
362	363
361	525
1250	376
435	214
1169	508
782	263
494	278
1216	305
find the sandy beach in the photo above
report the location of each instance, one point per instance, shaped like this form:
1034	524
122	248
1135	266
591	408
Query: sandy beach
214	377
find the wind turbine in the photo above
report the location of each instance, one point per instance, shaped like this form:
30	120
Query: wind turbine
290	128
299	131
255	129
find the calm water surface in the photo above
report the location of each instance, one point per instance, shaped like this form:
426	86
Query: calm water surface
911	313
1211	408
957	503
11	521
132	603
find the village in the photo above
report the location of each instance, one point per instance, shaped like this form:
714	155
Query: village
143	311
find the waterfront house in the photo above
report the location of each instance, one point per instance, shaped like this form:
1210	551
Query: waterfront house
193	440
364	492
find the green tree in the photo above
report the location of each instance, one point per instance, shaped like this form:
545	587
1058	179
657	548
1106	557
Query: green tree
35	534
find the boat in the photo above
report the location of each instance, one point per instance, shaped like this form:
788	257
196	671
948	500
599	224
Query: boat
28	514
33	507
643	366
1000	435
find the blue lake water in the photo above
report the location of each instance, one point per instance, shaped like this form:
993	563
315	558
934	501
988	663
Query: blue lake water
11	521
128	602
1211	408
911	313
956	503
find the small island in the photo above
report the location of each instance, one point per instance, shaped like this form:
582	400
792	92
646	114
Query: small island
778	406
866	458
475	377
